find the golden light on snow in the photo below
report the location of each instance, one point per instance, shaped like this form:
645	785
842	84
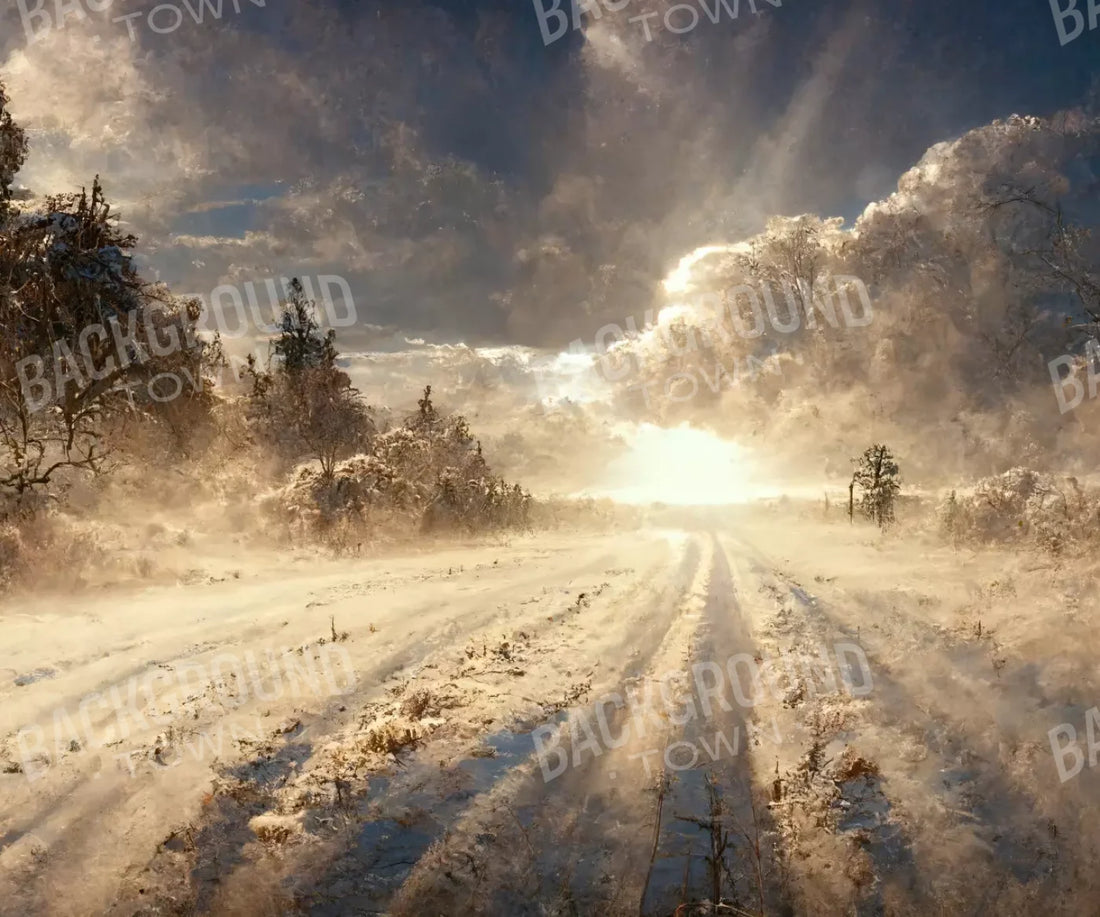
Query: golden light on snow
679	279
669	314
681	466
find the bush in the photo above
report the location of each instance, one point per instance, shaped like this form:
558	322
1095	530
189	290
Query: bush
1023	506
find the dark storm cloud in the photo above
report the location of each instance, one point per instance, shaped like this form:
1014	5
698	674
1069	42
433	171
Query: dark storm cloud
473	183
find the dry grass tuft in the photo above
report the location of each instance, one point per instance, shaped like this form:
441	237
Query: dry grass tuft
390	739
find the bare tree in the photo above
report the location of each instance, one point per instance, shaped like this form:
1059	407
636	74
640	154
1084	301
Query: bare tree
1056	253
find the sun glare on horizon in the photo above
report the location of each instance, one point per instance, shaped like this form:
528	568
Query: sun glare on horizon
681	466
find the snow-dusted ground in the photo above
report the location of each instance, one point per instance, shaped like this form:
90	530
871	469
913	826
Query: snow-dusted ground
394	770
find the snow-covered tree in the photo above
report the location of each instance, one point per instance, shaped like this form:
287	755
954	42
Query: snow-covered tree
76	320
302	404
878	477
13	151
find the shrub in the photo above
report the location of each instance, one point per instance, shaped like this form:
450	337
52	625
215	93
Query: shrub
1024	506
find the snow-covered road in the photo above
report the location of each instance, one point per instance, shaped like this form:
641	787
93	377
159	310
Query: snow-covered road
777	711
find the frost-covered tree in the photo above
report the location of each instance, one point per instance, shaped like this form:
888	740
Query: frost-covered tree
300	344
790	257
76	321
1053	252
302	404
13	151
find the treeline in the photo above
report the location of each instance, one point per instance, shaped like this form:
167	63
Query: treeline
99	366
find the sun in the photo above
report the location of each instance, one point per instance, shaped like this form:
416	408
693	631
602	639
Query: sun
681	466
